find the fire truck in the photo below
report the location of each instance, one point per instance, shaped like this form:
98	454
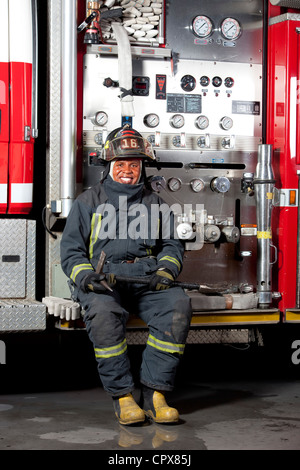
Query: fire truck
213	86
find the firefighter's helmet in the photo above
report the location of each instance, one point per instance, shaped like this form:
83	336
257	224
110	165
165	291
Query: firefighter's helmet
126	142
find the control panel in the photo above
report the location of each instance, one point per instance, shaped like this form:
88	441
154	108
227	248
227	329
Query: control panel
198	100
218	98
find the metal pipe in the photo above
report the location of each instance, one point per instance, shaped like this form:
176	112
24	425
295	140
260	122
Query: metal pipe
265	69
68	105
264	185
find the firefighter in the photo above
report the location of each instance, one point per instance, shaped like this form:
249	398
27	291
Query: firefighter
104	218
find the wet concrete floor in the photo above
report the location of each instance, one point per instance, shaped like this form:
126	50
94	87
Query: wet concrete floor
214	416
228	399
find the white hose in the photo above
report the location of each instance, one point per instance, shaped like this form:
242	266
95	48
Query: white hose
125	68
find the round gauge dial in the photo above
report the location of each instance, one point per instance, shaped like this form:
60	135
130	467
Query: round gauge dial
202	122
188	83
151	139
100	118
226	123
98	138
176	141
230	29
228	82
174	184
202	26
217	81
177	121
204	80
151	120
197	185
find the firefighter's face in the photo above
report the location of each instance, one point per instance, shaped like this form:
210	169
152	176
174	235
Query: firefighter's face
127	171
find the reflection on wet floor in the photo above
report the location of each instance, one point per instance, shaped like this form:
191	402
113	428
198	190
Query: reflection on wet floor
157	434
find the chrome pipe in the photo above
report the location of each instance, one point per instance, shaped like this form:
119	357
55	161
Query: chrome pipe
264	185
68	105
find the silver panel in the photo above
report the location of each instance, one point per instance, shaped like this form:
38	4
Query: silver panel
195	336
22	315
247	48
286	3
31	259
68	106
13	258
18	309
216	103
284	17
53	147
59	284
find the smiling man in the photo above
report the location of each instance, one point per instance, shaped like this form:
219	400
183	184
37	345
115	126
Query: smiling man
165	309
126	171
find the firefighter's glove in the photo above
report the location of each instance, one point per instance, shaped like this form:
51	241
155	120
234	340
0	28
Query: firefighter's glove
162	279
98	283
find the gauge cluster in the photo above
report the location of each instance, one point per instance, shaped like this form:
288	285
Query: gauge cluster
203	97
203	27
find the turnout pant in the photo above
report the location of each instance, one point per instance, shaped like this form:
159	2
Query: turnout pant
167	314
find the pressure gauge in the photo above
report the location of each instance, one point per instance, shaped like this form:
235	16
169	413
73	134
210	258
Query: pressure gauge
226	123
188	83
98	138
217	81
204	80
151	120
228	82
176	141
100	118
177	121
151	139
174	184
197	185
230	29
202	26
202	122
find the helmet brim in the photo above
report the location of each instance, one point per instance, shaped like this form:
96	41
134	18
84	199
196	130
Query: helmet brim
133	147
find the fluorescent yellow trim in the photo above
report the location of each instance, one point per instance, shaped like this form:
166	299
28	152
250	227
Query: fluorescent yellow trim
115	350
94	232
171	259
163	345
78	268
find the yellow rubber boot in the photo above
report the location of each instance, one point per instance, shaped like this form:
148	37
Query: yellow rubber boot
156	407
127	411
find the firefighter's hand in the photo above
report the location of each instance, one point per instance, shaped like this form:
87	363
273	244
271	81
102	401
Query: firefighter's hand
98	283
162	279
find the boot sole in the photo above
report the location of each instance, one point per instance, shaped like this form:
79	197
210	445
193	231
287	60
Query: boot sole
134	421
160	421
